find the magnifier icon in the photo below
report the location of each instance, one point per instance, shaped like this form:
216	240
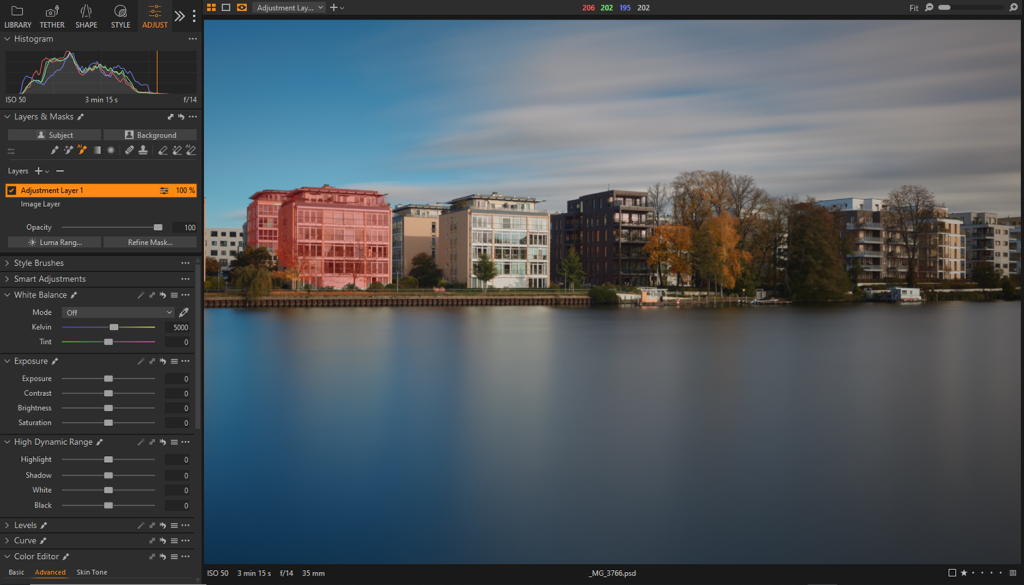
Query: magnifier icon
1014	7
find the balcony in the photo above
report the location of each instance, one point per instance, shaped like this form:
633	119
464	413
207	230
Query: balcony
865	226
631	239
870	240
632	272
868	253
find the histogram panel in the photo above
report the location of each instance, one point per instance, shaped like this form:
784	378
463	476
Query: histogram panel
100	72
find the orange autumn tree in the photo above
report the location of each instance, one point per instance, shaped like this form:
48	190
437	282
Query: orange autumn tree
718	259
670	244
296	266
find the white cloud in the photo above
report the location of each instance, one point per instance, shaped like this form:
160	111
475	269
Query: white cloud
861	110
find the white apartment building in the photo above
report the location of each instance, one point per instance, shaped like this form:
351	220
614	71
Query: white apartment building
223	244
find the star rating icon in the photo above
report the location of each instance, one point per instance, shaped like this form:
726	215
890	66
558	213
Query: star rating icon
963	572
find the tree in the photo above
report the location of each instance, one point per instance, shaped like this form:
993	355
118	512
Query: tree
986	275
716	251
670	245
297	267
815	267
768	239
1009	290
603	295
697	195
425	270
484	270
259	257
212	266
744	201
909	216
255	281
408	282
572	268
658	198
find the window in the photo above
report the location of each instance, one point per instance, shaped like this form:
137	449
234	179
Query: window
482	221
538	224
213	252
510	223
232	234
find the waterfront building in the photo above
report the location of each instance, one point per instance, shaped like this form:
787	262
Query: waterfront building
988	242
335	237
223	244
879	252
262	219
511	230
414	230
1014	223
609	230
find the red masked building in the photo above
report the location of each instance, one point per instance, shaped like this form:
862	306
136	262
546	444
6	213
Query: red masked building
334	237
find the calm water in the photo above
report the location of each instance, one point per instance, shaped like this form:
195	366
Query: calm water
840	434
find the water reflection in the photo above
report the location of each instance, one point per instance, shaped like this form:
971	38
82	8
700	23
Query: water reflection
847	434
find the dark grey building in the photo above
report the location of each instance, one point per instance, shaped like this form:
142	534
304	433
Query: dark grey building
609	230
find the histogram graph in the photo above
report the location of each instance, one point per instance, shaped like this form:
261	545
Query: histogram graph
101	72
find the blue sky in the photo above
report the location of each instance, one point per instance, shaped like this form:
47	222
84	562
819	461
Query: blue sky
431	110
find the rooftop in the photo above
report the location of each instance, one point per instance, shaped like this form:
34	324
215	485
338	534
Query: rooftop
496	197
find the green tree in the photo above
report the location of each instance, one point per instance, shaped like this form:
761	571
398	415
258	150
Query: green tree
815	266
212	266
572	268
425	270
259	257
255	281
408	282
484	270
1009	290
986	275
375	286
